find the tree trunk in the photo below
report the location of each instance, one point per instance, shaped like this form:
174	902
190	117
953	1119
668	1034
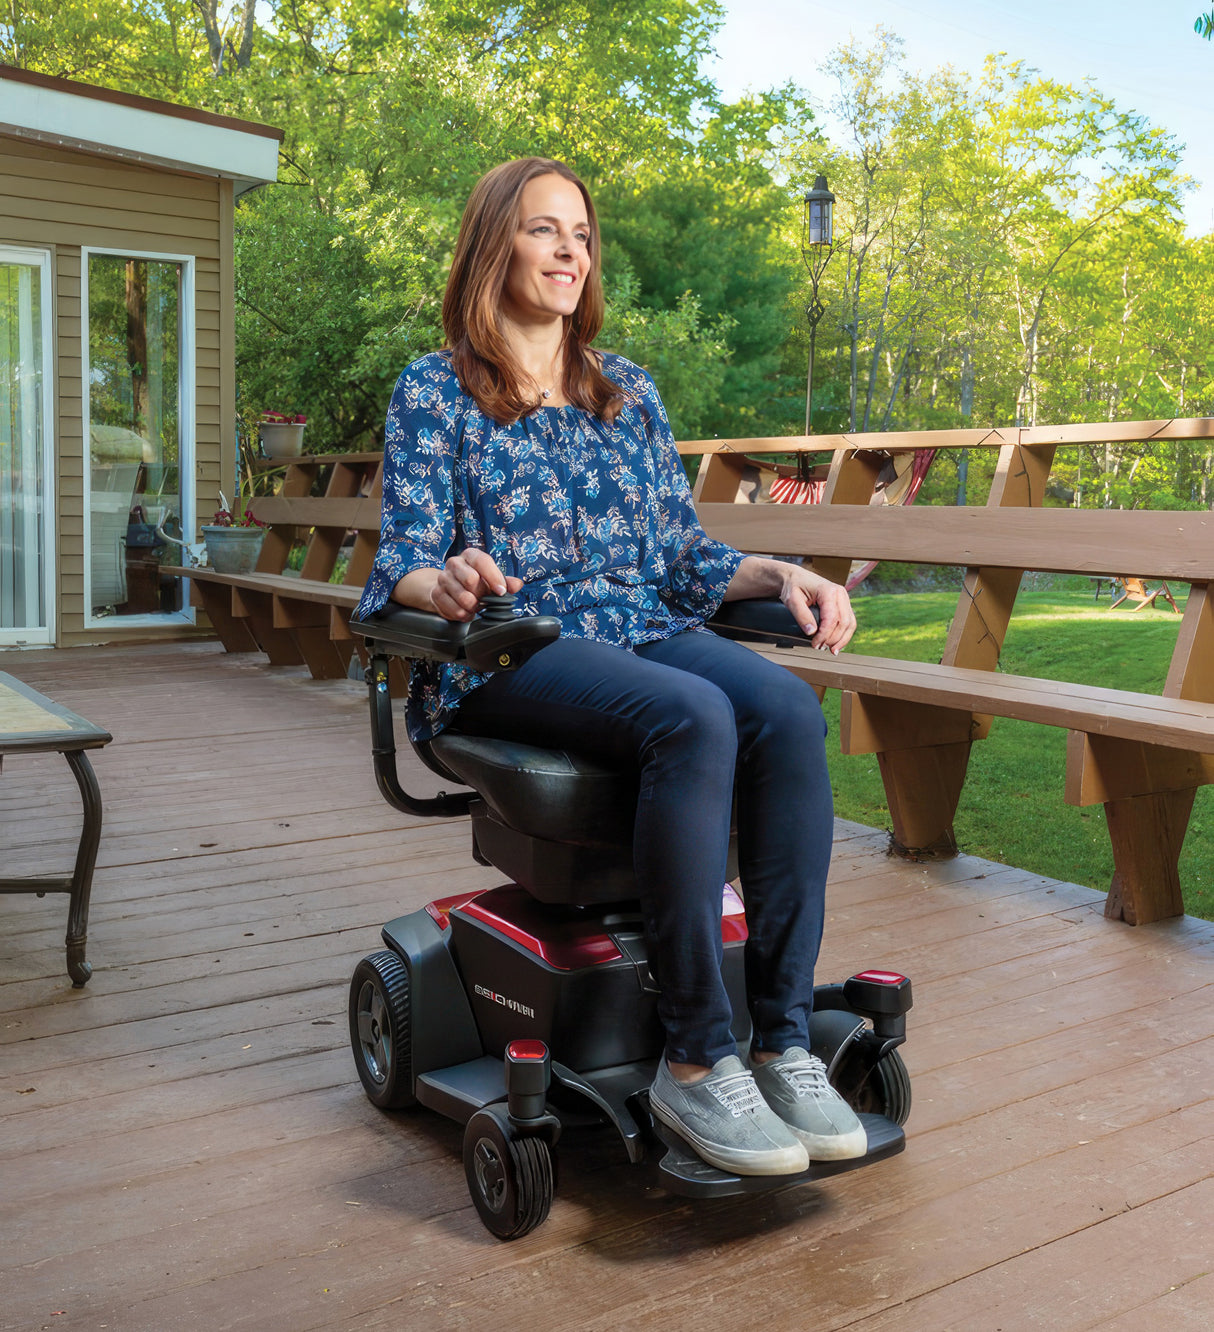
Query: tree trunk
244	49
137	339
967	380
875	358
209	9
963	472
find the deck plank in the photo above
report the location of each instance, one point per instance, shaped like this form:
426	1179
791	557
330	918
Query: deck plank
185	1143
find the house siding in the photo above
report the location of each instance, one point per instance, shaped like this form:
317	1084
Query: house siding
63	200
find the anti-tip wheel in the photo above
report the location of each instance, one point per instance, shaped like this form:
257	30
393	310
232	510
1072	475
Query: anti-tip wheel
510	1178
380	1030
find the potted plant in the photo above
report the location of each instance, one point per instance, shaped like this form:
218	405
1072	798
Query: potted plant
282	434
233	537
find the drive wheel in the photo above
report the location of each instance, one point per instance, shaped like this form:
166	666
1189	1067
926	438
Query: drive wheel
886	1091
509	1176
380	1030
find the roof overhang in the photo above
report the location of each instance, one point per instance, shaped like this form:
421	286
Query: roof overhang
136	129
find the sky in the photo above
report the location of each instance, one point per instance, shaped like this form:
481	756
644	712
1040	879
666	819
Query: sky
1144	55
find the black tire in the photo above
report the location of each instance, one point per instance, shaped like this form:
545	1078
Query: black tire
886	1091
510	1176
380	1030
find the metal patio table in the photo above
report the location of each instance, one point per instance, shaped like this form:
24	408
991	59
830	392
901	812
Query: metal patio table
31	723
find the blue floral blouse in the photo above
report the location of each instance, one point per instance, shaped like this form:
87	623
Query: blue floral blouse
596	519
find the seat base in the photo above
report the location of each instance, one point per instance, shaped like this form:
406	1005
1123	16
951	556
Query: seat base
559	824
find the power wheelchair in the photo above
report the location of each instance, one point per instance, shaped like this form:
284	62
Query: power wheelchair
525	1008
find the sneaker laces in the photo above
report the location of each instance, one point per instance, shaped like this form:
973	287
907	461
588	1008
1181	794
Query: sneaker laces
807	1078
737	1092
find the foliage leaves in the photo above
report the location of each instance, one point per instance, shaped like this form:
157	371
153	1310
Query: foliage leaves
1008	248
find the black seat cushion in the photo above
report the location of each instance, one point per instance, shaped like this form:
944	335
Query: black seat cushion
545	793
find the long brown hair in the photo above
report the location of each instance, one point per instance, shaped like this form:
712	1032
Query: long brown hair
480	354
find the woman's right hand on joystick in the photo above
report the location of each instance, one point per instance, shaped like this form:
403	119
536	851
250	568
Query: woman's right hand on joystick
464	580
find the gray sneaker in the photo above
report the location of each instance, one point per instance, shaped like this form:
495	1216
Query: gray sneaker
726	1120
795	1087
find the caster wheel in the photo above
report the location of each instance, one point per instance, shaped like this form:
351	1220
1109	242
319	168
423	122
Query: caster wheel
509	1176
886	1091
380	1030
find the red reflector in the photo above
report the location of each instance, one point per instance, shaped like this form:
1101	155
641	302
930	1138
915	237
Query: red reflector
526	1050
881	977
440	910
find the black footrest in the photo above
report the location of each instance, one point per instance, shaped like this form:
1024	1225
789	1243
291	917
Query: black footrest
681	1171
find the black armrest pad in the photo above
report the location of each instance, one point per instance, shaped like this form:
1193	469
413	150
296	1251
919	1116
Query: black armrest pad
413	633
759	620
495	641
428	637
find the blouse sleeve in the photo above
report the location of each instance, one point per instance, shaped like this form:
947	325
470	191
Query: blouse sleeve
417	530
698	569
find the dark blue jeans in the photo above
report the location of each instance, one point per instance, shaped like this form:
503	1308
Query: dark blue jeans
694	712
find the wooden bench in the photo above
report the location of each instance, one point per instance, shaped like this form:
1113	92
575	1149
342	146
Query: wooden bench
1141	756
324	501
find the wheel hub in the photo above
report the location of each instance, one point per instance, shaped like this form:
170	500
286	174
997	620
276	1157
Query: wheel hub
490	1174
376	1053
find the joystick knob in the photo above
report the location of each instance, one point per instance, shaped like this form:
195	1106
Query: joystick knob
498	608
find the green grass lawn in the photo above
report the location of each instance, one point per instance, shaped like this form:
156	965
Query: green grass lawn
1012	807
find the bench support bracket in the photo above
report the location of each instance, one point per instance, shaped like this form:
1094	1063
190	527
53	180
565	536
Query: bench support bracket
922	787
1147	833
1147	792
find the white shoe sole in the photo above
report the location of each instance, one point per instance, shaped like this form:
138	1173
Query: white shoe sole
777	1161
833	1146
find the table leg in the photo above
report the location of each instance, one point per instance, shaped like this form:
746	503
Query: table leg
82	877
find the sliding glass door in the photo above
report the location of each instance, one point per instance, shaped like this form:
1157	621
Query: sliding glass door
26	447
139	354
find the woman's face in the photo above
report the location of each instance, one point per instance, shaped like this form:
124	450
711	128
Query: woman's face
551	256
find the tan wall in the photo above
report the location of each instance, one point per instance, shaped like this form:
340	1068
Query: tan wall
62	200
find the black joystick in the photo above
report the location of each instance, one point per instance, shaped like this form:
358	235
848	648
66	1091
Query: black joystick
497	608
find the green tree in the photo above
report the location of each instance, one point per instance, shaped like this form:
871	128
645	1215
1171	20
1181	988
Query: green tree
964	210
713	223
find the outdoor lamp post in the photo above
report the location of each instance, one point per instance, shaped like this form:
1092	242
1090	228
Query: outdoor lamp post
817	240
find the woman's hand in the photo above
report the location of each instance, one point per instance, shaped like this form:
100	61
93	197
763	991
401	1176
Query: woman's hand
836	619
455	590
799	589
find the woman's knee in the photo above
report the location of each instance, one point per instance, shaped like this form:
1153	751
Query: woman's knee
695	715
782	710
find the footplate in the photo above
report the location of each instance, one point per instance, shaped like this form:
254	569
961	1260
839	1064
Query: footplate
681	1171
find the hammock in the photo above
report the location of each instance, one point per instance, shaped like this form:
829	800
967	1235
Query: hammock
898	483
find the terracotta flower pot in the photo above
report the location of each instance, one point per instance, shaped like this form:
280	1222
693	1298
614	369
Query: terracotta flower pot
233	549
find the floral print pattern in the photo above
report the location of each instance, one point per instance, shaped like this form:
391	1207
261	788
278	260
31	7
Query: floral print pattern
596	519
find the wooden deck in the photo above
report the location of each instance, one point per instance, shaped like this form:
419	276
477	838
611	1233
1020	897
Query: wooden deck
185	1143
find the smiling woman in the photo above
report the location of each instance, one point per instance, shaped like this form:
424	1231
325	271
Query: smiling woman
523	461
